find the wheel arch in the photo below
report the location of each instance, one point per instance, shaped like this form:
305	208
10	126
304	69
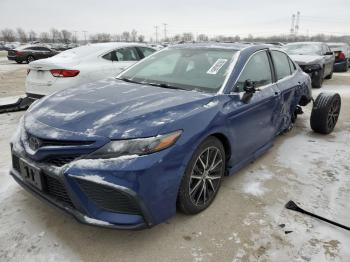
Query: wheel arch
225	142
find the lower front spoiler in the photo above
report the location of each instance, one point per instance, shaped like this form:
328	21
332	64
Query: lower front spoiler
80	217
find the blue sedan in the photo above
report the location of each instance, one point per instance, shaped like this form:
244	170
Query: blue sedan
127	152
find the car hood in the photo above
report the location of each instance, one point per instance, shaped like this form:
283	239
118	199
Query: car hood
306	59
111	108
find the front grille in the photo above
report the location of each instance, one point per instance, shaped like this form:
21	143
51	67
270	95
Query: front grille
109	199
56	190
51	142
60	160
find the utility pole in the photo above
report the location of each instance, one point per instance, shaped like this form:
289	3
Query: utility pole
297	23
75	35
156	27
292	25
84	32
165	25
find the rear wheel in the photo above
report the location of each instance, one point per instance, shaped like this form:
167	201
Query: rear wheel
30	59
202	178
325	112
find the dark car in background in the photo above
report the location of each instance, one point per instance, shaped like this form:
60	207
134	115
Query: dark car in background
314	58
342	56
30	53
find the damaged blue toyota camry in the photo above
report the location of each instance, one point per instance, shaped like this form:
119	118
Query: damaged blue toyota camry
127	152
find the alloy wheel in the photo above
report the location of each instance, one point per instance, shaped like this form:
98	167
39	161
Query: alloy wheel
205	176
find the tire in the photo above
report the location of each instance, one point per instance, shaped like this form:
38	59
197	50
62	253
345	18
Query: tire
317	83
18	61
346	67
199	187
325	112
30	58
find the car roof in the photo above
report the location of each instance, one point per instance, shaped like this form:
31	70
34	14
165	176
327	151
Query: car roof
230	46
306	42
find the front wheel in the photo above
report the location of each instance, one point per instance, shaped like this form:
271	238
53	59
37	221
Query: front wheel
202	177
30	59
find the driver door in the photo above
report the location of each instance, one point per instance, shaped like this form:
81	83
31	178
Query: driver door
252	123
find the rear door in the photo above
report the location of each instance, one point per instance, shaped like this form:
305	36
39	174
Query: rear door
288	85
251	124
125	57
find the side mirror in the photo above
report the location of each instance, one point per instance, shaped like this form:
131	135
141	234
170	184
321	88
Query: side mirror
328	53
249	86
249	89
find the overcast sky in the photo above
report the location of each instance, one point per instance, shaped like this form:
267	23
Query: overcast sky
212	17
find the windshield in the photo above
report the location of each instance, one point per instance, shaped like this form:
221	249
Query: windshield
303	49
183	68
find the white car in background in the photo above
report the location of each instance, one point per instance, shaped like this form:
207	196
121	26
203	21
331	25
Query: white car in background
81	65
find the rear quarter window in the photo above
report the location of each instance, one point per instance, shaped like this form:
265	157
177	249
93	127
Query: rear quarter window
282	64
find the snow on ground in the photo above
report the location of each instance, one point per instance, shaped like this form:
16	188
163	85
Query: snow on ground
8	66
246	222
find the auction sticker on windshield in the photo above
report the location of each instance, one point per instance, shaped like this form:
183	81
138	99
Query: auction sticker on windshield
216	66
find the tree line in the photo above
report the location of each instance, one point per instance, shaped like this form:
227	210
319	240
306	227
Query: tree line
65	36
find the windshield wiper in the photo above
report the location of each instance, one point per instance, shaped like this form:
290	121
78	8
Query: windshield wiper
128	80
164	85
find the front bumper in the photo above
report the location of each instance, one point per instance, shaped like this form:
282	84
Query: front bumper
79	216
148	186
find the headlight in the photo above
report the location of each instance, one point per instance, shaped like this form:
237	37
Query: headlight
139	146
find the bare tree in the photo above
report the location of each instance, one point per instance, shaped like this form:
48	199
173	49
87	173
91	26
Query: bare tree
55	35
133	35
101	37
22	35
141	38
32	36
44	37
8	35
187	36
202	38
126	36
117	38
66	36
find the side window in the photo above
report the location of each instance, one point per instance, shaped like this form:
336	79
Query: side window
45	49
146	51
281	62
108	56
293	68
257	70
127	54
